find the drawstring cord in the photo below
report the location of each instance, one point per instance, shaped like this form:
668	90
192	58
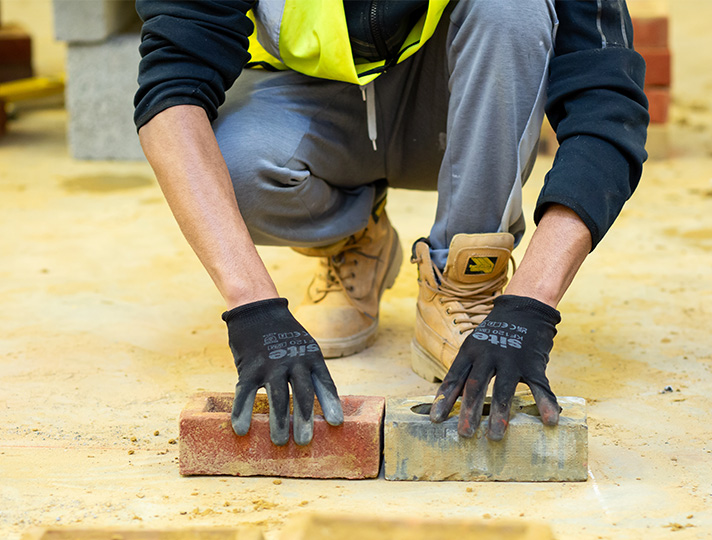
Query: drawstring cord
368	93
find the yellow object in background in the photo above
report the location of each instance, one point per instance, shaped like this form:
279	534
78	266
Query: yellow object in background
31	88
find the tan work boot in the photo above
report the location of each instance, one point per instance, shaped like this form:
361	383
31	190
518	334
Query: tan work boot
340	309
452	303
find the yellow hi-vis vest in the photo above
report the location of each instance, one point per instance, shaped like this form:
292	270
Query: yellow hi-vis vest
311	37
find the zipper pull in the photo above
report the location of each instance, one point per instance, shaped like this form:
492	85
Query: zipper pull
370	93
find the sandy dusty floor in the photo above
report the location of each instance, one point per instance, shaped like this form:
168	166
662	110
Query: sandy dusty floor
108	323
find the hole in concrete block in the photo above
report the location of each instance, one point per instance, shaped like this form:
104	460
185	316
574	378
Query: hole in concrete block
526	408
424	409
529	408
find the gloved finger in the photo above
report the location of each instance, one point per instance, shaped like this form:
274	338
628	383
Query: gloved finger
303	398
451	388
473	398
278	395
502	394
546	403
242	407
327	395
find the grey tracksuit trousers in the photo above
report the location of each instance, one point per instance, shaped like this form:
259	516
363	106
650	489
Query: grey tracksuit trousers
462	116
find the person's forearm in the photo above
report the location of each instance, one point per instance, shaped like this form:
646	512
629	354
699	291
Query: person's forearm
180	145
557	249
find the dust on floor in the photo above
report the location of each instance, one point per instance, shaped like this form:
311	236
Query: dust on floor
109	324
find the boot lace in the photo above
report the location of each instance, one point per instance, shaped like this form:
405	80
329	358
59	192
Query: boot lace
336	272
469	304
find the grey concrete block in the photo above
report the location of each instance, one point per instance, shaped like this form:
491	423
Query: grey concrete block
100	91
84	21
417	449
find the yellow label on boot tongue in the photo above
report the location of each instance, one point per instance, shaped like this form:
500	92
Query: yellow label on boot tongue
477	266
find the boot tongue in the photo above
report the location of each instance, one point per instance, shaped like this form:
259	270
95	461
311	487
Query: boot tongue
476	258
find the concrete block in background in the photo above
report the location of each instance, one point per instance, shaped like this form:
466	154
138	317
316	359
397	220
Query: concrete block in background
659	104
86	21
100	90
329	527
112	533
417	449
650	32
208	444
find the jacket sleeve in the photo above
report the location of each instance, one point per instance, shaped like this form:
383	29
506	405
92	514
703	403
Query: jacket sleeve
599	111
191	53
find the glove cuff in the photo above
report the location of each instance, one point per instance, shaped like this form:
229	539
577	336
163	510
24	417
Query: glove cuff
524	303
255	310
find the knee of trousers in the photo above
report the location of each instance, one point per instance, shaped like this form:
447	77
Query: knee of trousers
263	188
512	22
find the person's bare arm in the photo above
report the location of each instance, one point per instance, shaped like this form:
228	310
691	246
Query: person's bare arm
557	249
180	145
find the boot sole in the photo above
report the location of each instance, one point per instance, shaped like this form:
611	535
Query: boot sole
425	364
338	347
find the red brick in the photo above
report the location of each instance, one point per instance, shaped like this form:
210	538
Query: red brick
15	46
657	66
208	445
659	100
650	32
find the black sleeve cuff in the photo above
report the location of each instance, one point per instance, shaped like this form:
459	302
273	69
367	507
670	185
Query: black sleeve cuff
191	53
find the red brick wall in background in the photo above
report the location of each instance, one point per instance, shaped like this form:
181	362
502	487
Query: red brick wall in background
651	41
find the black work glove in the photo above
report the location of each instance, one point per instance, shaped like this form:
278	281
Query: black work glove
272	350
512	344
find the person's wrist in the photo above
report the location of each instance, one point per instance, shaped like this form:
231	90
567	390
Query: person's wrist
240	296
528	303
258	311
549	296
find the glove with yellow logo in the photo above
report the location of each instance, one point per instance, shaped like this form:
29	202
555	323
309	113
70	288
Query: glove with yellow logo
272	350
512	344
